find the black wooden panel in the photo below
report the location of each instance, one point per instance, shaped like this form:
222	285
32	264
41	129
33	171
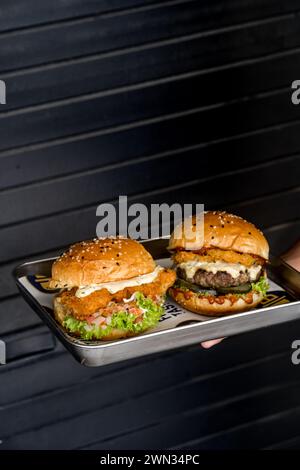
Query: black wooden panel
20	14
283	236
103	74
26	202
148	140
111	111
289	444
254	435
246	436
17	15
261	210
211	420
103	34
151	394
218	393
16	315
26	377
28	343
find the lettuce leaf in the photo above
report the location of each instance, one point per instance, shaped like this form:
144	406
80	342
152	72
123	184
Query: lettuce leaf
120	320
261	286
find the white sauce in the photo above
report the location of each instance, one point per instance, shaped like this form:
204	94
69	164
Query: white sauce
114	287
234	269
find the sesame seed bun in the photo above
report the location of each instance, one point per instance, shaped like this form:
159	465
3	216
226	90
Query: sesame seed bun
101	260
224	231
201	305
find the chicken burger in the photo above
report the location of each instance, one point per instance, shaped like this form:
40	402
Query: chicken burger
110	288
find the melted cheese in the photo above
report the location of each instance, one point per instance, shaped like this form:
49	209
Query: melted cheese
116	286
234	269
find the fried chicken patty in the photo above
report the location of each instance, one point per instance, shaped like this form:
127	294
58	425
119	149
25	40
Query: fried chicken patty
82	307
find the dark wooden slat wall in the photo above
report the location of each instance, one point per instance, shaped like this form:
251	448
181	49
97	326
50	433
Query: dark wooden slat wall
164	101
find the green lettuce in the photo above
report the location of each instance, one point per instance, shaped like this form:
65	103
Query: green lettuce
261	286
120	320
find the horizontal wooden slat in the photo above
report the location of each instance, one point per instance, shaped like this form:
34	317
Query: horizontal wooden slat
253	435
151	139
104	34
257	209
175	431
15	15
144	104
153	390
289	444
101	74
235	390
18	14
283	236
42	373
28	343
17	205
16	315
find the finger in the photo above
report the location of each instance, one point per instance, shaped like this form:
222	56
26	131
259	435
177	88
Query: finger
212	342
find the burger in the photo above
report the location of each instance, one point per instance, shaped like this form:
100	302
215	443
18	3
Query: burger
223	273
110	288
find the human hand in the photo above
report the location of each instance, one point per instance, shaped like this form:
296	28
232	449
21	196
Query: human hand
292	256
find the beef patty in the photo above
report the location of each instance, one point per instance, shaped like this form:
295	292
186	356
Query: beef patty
219	279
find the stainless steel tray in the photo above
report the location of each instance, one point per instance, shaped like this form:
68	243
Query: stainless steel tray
177	328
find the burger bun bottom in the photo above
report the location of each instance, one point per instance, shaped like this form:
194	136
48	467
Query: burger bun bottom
61	311
201	305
